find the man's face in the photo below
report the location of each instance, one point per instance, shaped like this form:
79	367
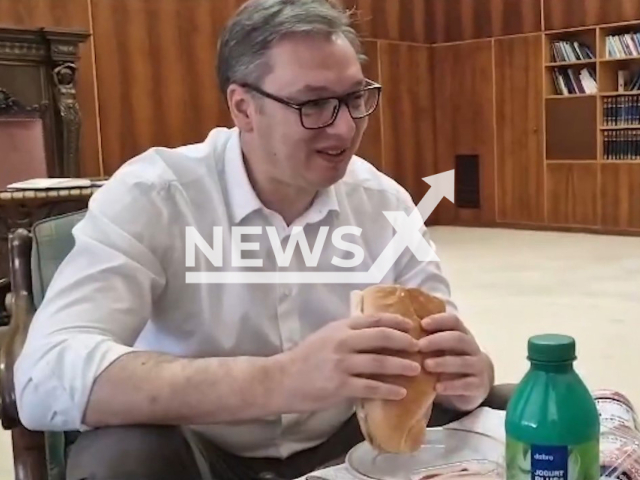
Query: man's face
308	68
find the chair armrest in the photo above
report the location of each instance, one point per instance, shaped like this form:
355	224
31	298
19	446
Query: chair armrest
22	311
5	298
12	343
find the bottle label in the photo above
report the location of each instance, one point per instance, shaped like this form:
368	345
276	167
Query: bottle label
538	462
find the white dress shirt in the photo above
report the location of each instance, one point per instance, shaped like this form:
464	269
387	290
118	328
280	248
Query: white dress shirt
122	288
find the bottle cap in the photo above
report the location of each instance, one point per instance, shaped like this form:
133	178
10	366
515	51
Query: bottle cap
552	348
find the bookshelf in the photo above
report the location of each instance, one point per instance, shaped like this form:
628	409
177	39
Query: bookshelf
548	159
592	94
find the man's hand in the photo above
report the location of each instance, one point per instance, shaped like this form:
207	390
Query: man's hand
336	363
465	373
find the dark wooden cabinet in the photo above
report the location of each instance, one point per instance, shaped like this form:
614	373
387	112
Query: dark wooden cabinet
572	194
38	81
40	123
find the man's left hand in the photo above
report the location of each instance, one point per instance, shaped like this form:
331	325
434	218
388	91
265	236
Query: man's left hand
465	372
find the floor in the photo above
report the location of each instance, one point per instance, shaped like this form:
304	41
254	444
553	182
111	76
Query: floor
513	284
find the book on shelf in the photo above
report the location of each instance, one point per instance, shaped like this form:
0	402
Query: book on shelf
622	145
623	45
628	81
570	51
621	111
569	81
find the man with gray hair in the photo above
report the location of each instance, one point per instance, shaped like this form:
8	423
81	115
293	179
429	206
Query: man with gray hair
165	378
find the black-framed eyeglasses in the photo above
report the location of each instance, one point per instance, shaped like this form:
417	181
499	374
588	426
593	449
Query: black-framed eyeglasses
323	112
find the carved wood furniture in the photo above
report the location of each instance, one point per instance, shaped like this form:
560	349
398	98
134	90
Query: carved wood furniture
40	125
22	208
22	142
37	81
27	446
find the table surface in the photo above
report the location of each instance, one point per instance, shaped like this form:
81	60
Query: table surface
53	193
483	420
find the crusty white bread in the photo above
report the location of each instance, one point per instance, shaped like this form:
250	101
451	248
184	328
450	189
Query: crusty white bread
398	426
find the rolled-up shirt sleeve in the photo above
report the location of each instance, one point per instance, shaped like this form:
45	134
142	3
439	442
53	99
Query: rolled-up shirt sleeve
97	304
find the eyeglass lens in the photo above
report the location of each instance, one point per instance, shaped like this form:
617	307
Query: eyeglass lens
320	113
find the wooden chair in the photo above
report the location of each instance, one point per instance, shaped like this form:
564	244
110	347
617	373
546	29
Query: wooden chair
28	447
5	290
33	259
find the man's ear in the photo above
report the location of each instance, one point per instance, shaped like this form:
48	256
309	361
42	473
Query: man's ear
242	107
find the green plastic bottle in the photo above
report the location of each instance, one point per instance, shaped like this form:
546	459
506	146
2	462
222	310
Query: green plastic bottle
552	423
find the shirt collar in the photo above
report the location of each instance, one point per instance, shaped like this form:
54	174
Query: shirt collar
243	199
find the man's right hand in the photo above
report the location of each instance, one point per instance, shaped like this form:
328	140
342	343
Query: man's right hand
338	362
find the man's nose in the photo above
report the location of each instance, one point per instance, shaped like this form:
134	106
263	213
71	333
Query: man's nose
344	124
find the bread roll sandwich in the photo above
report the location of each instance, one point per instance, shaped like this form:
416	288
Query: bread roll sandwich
398	426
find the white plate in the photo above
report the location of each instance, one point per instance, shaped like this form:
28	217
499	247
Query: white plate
444	450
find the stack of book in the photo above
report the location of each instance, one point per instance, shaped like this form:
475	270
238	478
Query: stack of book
622	145
571	82
621	111
564	51
624	45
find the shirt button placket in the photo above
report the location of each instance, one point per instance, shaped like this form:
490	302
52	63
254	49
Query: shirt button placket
287	315
290	336
288	323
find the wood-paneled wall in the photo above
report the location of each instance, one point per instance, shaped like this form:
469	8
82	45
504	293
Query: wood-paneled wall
519	157
529	190
460	20
407	115
572	194
560	14
621	196
445	21
459	77
405	150
148	76
464	109
155	64
407	21
463	20
372	145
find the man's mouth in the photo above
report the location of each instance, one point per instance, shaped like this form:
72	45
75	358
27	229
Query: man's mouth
335	154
